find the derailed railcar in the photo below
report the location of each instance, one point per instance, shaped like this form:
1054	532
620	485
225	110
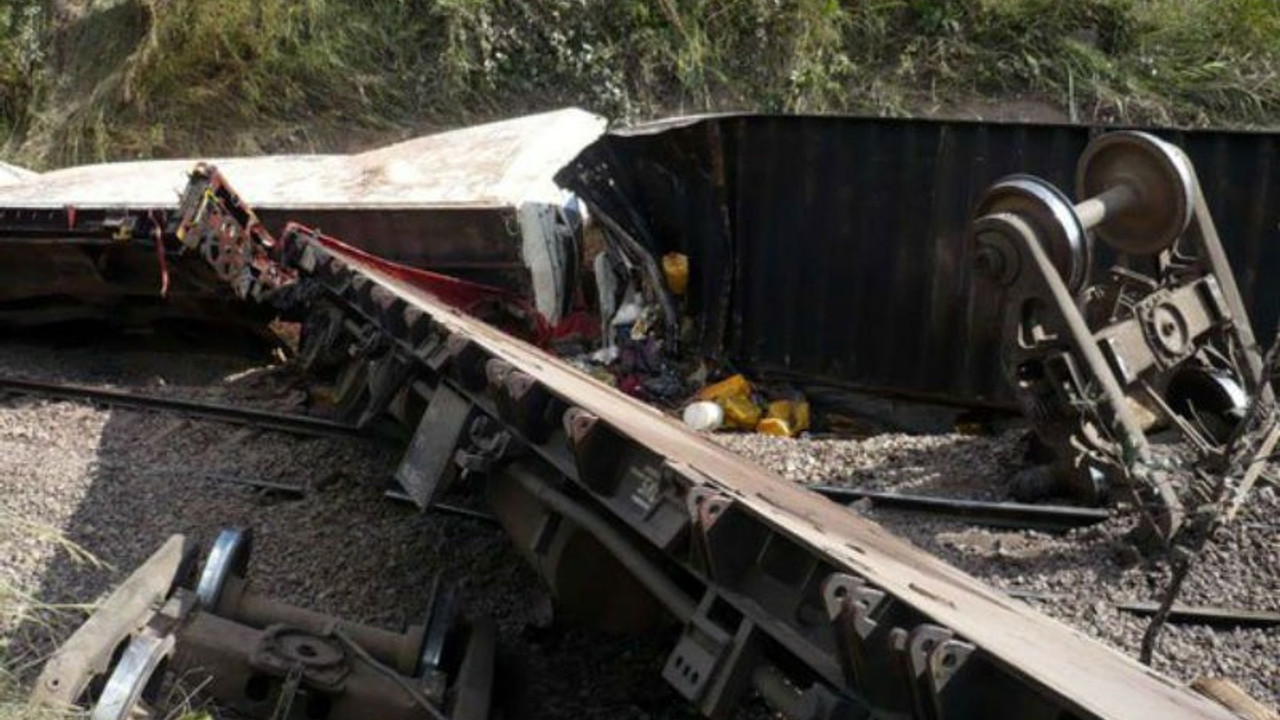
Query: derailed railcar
477	203
831	249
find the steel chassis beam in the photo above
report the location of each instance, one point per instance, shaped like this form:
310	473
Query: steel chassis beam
89	226
782	578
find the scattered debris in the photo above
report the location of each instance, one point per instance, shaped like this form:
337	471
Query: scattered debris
785	418
734	396
704	416
675	268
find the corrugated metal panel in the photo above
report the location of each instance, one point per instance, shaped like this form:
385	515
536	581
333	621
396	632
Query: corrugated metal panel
836	243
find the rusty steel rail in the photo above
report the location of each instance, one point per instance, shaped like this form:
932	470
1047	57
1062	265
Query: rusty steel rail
1046	518
266	419
861	621
1224	617
1210	615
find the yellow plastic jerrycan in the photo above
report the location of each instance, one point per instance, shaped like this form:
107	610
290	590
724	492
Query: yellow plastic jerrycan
676	267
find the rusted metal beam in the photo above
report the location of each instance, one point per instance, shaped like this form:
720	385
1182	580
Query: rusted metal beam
758	570
873	619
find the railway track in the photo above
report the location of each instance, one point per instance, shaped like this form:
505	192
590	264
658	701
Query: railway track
232	414
1213	616
1024	516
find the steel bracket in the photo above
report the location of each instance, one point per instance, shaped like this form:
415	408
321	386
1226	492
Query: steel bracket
710	666
322	338
387	376
722	544
489	445
466	362
950	679
639	486
428	467
526	405
597	450
864	619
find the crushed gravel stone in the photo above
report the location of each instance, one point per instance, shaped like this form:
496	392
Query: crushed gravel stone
1081	575
117	483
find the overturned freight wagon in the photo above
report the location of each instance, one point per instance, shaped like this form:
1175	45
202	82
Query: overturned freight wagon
831	250
478	204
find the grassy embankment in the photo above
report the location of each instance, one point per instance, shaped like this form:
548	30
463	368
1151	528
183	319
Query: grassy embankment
141	78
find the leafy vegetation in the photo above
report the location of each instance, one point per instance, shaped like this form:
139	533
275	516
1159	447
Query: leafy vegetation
83	80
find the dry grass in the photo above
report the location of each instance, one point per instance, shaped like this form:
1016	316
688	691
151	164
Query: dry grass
20	609
130	78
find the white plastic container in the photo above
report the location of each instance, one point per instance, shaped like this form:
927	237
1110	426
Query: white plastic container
704	416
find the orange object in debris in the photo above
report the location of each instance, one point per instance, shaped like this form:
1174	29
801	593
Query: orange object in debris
785	418
676	267
732	385
740	411
774	426
734	395
800	415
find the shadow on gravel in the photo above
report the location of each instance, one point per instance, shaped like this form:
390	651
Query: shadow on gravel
342	549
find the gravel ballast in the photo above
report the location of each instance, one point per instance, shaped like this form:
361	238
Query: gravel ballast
117	483
1081	575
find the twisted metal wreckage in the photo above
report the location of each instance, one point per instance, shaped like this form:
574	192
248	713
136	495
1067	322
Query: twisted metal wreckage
1147	388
